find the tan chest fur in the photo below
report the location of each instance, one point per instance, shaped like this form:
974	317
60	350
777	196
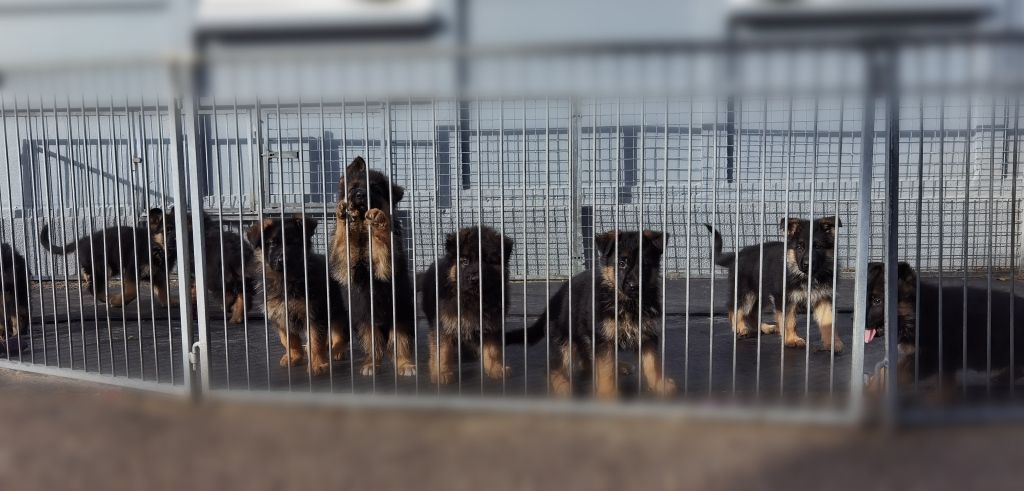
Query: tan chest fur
628	329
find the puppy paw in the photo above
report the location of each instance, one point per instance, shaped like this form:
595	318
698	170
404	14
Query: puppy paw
767	328
318	369
407	370
742	334
338	355
377	218
499	373
838	345
796	342
368	369
289	361
236	319
606	393
444	378
665	387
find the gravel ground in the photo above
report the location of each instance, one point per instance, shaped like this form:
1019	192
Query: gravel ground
67	435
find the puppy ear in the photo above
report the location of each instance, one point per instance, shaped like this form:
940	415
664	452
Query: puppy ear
509	245
906	275
311	224
791	225
357	165
656	238
397	192
256	230
829	224
606	243
307	224
450	243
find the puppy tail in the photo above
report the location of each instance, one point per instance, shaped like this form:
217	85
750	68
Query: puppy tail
44	239
724	260
530	335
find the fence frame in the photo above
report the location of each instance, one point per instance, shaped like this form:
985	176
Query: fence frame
883	86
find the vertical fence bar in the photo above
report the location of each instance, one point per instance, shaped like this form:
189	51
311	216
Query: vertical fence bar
892	174
241	237
33	175
1013	239
185	160
132	171
48	212
873	70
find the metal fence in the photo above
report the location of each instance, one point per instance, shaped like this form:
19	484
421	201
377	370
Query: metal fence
551	149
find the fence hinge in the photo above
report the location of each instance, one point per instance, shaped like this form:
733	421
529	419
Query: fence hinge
280	155
193	355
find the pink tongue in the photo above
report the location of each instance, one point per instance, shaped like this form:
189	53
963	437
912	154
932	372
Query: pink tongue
869	334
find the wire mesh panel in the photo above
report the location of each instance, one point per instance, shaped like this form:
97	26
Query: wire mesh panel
89	261
958	321
680	227
458	243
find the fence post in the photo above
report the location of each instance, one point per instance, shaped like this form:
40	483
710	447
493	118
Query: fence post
183	111
889	77
872	90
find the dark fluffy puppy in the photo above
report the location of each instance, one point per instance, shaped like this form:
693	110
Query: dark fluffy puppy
905	300
114	250
226	255
963	315
628	282
469	276
15	293
299	297
368	256
808	250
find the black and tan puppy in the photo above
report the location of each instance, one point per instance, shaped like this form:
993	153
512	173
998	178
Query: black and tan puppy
226	255
15	293
804	262
628	278
130	252
469	278
299	297
951	321
368	256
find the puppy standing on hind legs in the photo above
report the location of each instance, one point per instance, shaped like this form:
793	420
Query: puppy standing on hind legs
282	249
368	256
795	272
467	278
628	283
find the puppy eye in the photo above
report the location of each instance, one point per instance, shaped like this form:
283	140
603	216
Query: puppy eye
622	263
876	300
464	261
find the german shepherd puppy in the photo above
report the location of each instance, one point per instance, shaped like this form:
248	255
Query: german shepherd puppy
15	293
802	252
919	334
469	276
114	250
629	281
225	278
283	250
368	256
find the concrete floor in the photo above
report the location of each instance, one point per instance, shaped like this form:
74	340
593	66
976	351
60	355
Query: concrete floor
700	352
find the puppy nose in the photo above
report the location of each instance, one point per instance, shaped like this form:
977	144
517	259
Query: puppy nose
358	193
